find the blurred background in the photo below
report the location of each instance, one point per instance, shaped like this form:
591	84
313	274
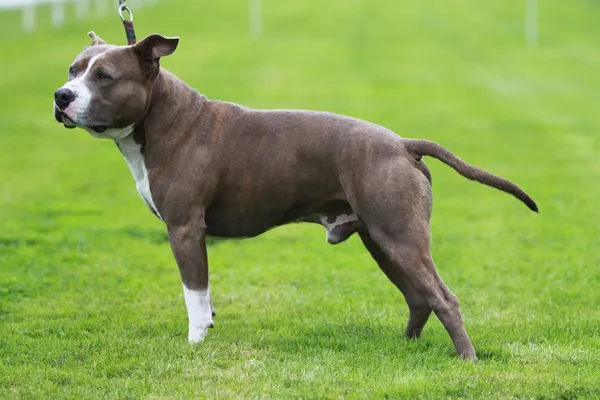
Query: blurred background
511	86
474	75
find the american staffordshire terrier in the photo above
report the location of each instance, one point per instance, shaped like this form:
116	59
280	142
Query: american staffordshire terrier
213	168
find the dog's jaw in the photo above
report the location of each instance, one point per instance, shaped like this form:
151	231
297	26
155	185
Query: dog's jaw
110	133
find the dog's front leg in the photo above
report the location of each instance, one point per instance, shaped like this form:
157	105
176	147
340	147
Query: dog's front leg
189	247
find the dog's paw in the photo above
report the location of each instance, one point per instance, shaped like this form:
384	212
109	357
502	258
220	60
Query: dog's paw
196	334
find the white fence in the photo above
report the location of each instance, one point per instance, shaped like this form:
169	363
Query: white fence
82	8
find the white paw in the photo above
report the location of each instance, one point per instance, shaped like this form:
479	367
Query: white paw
196	333
199	313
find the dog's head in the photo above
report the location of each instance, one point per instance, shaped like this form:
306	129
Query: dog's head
109	87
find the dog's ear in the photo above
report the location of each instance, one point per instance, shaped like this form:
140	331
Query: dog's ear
155	46
96	40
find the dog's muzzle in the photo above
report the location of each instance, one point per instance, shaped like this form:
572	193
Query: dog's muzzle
62	118
63	97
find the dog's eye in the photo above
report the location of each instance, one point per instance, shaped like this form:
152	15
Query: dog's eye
101	76
71	70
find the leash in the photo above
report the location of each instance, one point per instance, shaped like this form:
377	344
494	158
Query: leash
127	22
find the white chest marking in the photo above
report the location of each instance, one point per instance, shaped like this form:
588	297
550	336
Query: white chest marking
135	160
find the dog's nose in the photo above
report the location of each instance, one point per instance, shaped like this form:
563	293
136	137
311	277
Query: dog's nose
63	97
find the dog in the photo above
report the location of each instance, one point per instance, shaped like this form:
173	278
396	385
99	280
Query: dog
213	168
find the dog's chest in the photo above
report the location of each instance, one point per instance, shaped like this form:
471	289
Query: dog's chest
132	152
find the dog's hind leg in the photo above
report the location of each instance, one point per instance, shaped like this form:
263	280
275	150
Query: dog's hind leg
411	261
418	307
397	234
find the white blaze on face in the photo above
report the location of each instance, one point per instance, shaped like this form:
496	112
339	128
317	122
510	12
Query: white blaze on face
83	95
199	311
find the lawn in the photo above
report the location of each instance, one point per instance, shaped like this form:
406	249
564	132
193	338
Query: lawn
91	304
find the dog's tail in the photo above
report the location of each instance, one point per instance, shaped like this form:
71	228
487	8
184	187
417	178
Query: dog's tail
420	148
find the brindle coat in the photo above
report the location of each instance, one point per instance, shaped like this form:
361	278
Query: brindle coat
220	169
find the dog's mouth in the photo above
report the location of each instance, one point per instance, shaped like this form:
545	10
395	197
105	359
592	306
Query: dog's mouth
64	119
98	128
68	123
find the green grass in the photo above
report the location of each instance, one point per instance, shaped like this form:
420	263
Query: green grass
90	299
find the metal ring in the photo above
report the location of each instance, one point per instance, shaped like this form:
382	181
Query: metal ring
125	8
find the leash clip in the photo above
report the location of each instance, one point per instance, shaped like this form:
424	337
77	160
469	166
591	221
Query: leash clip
123	7
127	22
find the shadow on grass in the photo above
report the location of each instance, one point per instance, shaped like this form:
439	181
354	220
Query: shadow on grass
352	339
377	339
494	355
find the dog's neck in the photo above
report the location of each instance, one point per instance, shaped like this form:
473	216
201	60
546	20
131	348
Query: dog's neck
171	106
172	103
